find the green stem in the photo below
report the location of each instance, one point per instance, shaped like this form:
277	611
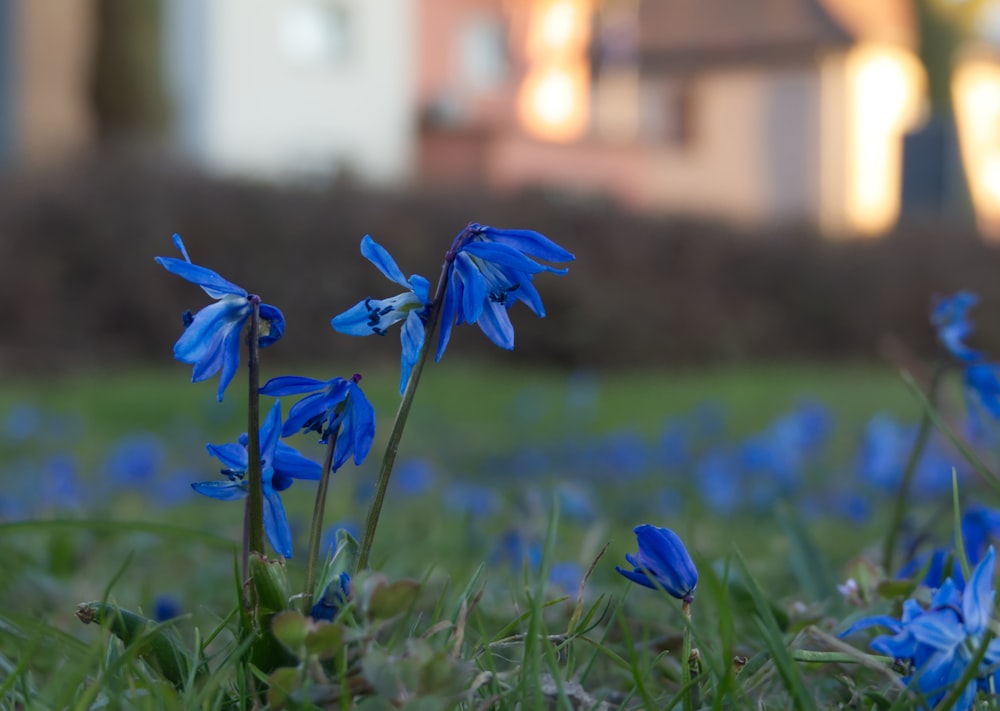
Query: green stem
902	495
392	446
316	529
688	698
254	475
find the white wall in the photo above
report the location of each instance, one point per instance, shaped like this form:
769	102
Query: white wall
285	88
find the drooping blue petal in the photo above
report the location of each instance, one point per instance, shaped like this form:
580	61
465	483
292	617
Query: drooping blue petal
276	523
982	380
495	323
890	623
449	309
361	423
530	242
270	433
291	385
421	287
508	257
213	284
383	261
474	289
290	464
230	349
977	600
412	337
221	490
202	340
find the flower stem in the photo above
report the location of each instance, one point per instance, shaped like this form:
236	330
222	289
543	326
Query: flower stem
392	446
316	529
255	482
688	699
902	494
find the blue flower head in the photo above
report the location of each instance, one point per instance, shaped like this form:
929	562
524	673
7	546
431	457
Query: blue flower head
333	599
334	405
211	338
662	563
949	316
280	465
938	642
488	270
377	315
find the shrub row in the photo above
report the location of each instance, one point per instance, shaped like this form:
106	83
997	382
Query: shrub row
80	286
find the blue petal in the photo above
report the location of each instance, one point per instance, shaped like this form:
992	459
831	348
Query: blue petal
377	255
940	629
272	325
637	577
196	343
508	257
412	337
452	297
305	411
179	243
233	456
291	385
291	463
276	523
474	288
527	293
222	490
270	432
213	284
230	351
421	287
890	623
530	242
362	424
495	323
977	601
354	321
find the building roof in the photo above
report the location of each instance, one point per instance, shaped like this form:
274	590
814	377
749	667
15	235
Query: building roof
695	33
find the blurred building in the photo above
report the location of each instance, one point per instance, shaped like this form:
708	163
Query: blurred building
294	88
755	112
45	46
751	111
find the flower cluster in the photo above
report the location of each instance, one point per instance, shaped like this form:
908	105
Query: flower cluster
486	271
949	316
939	642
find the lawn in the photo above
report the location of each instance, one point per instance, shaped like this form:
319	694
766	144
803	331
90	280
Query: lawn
518	470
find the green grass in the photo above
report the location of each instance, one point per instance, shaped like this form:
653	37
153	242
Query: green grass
462	416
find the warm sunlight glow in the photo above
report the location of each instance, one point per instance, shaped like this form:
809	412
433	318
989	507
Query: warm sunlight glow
976	90
558	26
554	98
552	102
885	86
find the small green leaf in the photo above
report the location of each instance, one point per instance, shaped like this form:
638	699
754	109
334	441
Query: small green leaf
388	600
324	640
280	686
290	628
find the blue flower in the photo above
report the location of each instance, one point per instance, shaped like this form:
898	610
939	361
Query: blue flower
336	595
950	317
377	315
280	464
211	339
662	563
939	641
488	270
334	404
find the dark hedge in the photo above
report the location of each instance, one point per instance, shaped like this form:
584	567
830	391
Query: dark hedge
79	286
